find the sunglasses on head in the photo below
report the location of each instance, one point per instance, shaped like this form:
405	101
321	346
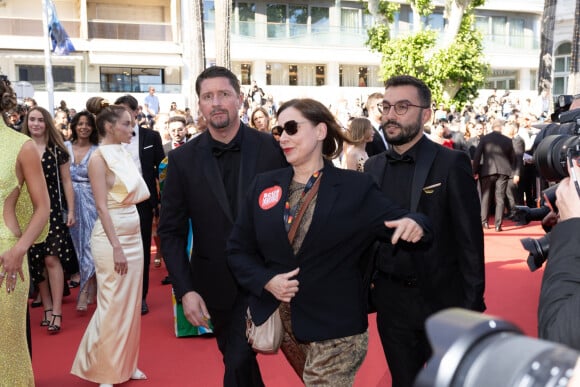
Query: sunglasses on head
290	127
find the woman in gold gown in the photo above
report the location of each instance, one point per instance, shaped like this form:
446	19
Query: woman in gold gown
109	350
24	210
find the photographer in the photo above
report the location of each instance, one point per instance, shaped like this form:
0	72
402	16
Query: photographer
559	308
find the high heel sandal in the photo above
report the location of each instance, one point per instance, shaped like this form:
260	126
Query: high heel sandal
157	260
53	327
138	375
45	321
83	300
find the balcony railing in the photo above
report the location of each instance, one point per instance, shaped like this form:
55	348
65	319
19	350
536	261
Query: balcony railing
33	27
103	29
96	87
261	33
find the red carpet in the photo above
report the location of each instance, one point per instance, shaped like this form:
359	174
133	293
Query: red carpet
511	293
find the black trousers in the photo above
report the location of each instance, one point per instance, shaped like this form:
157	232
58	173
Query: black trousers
497	184
145	210
241	365
401	316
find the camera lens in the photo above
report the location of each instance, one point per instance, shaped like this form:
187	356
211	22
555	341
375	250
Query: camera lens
550	156
538	249
472	349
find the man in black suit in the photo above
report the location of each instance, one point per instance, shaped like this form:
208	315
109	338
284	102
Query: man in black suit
176	127
414	281
147	152
206	180
379	143
493	163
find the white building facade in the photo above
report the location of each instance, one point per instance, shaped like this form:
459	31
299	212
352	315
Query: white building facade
291	48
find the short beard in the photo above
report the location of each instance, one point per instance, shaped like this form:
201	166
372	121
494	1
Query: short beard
220	124
408	133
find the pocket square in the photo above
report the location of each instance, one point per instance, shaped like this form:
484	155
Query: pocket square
431	188
147	147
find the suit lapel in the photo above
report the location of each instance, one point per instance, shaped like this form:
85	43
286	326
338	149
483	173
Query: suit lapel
425	157
211	170
326	197
142	134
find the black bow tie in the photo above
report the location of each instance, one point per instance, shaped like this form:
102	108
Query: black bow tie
395	159
218	150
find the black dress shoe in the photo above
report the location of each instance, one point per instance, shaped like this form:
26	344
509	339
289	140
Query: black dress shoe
166	281
144	308
73	284
498	228
485	225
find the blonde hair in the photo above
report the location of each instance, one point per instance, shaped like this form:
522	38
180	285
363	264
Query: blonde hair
358	128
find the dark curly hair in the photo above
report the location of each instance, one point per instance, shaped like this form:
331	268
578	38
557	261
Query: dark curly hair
7	95
94	136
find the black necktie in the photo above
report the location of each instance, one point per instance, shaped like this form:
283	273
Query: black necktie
218	150
394	159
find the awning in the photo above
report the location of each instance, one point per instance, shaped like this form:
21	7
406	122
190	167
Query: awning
133	59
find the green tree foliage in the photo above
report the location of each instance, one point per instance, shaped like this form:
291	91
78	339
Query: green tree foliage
454	74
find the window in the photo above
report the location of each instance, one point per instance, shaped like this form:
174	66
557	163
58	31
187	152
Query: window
516	34
319	19
209	11
124	21
502	80
276	18
434	21
562	57
349	20
246	19
293	75
320	75
498	29
246	71
129	80
298	19
63	76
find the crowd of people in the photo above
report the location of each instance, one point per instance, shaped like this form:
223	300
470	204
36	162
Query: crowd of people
300	201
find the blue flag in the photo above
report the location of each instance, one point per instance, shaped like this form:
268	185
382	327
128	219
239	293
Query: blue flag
61	43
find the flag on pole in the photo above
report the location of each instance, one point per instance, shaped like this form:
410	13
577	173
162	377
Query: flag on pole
61	43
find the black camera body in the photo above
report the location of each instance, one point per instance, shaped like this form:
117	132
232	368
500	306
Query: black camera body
555	144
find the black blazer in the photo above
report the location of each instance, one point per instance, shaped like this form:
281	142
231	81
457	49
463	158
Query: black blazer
451	270
494	155
150	155
376	146
193	189
348	216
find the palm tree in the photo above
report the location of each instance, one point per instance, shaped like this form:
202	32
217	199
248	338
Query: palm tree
223	12
193	46
547	46
574	65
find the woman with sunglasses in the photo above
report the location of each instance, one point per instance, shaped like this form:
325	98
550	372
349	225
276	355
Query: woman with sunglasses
316	280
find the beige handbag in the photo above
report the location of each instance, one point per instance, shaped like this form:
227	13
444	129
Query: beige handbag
267	338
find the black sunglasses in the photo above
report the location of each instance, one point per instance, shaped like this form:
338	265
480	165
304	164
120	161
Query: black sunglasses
290	127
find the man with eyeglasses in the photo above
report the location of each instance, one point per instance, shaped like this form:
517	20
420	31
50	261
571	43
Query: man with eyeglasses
206	180
414	281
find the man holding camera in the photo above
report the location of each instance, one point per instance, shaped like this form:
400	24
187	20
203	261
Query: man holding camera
559	309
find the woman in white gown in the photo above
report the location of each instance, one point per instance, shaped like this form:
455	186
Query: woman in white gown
109	351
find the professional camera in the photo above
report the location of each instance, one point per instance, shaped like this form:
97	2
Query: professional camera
559	143
472	349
